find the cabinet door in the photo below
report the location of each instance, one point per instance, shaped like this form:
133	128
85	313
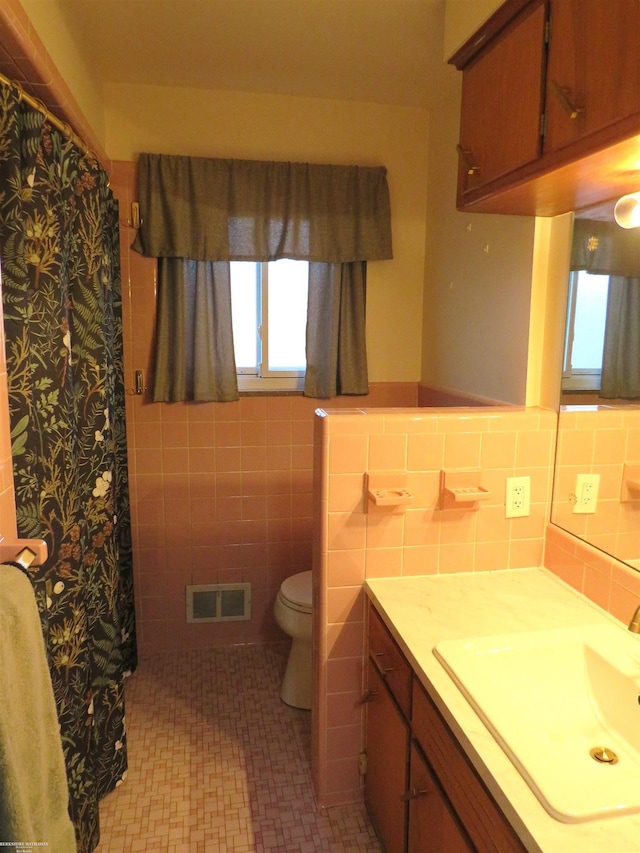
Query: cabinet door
432	827
502	100
390	662
593	72
482	819
387	759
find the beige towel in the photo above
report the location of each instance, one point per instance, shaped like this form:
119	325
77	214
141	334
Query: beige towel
33	784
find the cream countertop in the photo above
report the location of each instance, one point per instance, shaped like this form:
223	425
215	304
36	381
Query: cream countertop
421	611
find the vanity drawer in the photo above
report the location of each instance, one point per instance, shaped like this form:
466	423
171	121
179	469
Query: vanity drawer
389	661
483	820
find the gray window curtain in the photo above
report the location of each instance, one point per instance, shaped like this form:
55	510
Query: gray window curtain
215	211
621	356
336	351
603	248
194	357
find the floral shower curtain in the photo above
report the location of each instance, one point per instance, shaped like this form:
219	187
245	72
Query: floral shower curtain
59	259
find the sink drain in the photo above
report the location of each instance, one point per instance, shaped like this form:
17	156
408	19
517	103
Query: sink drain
603	755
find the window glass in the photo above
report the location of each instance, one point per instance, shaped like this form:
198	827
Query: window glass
588	327
288	283
269	316
584	343
245	284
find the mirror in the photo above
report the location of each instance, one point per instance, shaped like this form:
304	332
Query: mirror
596	493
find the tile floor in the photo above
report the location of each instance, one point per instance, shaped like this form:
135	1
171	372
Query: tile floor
217	763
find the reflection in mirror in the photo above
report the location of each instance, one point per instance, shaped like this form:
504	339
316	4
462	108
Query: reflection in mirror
596	492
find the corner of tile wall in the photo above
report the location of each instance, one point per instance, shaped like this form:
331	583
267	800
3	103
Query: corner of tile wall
599	440
612	585
421	538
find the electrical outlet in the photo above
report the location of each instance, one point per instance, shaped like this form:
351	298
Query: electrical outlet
518	499
587	486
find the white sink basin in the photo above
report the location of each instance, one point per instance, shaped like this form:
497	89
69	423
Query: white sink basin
549	698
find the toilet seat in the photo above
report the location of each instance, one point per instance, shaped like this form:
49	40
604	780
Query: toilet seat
296	592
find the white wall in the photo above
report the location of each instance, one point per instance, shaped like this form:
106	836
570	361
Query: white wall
477	279
550	285
462	18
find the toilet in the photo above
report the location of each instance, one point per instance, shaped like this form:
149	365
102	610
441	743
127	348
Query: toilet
292	611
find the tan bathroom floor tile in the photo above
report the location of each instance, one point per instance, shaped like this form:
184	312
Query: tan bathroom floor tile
218	764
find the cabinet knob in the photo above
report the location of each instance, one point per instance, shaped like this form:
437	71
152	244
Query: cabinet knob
368	696
468	160
412	793
563	93
383	670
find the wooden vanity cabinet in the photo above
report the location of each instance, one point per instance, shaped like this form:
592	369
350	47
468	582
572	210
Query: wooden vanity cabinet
469	800
550	113
391	664
422	792
388	699
387	764
433	827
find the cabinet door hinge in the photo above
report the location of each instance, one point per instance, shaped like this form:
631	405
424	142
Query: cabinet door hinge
543	125
547	31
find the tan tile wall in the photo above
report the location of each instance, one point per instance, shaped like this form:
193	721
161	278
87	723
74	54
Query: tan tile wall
609	583
599	441
221	493
354	544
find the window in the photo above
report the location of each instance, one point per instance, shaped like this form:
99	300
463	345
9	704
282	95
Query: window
584	340
269	317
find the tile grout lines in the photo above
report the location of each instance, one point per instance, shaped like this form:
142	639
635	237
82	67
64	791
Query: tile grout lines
218	764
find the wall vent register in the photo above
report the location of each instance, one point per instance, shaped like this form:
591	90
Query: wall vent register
224	602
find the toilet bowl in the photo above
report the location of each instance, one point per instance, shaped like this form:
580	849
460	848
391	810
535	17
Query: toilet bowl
292	610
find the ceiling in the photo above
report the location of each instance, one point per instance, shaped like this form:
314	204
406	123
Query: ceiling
382	51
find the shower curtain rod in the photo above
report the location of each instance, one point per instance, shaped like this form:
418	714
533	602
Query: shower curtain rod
60	125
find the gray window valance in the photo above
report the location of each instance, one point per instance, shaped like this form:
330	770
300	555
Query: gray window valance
604	248
250	210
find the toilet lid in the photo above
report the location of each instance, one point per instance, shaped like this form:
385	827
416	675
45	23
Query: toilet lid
297	589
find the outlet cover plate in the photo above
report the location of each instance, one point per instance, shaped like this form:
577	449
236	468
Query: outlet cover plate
587	487
518	497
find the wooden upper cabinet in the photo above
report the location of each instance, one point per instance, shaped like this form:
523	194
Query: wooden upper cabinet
593	71
502	98
585	81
